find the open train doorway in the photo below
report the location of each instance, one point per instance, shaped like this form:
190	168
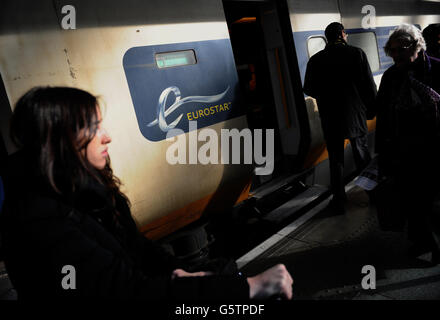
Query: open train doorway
261	62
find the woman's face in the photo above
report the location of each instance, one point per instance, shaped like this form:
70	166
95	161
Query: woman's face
402	53
97	148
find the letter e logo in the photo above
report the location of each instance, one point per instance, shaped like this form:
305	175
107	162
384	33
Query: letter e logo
69	281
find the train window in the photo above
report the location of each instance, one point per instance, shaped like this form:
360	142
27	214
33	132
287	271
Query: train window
367	42
175	59
315	44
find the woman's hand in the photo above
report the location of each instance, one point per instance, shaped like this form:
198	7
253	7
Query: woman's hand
273	281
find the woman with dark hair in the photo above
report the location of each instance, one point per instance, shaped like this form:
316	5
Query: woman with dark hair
407	136
67	229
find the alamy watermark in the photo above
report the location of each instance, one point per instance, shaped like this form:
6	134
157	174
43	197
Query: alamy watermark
369	20
369	280
252	147
69	280
69	20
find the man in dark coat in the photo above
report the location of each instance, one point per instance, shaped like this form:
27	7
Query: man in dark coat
339	78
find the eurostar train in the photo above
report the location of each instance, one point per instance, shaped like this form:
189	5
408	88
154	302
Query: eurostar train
175	76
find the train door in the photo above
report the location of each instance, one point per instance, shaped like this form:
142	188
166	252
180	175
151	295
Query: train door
261	62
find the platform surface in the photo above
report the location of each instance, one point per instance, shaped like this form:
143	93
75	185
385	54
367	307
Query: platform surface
326	254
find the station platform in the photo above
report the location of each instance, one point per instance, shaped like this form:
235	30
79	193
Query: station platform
325	254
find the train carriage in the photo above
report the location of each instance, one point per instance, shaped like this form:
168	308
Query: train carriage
192	66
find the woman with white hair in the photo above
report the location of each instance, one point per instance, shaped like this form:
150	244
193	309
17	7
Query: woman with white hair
405	44
407	139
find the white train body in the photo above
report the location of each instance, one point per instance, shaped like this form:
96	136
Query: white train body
113	51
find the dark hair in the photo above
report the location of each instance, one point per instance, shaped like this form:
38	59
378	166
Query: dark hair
431	33
333	31
53	126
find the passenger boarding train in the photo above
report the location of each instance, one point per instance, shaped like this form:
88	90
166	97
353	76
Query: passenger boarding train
157	65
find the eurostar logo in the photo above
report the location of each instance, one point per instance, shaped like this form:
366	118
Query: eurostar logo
163	113
170	98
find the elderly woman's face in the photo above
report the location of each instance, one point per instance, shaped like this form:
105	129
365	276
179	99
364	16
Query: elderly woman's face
401	52
97	148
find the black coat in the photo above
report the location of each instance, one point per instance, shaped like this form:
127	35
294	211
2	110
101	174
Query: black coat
42	232
408	147
406	138
340	79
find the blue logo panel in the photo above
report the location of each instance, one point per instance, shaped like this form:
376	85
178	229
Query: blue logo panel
169	97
